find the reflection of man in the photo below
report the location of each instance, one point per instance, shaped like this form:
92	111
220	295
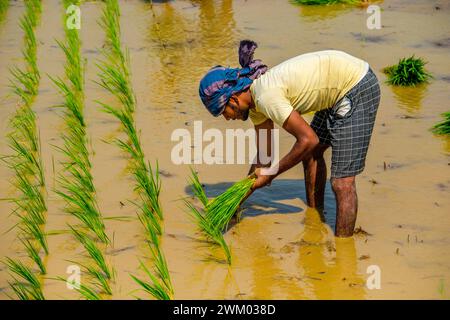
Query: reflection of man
341	89
328	274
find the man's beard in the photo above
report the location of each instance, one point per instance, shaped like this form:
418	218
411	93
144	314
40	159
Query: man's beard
244	114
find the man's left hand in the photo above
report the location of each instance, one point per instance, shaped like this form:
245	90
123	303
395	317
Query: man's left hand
261	179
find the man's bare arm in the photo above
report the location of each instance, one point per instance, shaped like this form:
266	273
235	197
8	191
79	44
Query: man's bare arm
268	126
306	141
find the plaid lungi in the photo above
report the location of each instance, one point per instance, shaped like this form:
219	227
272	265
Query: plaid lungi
349	135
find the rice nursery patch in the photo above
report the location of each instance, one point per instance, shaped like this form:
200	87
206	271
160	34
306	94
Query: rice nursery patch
408	72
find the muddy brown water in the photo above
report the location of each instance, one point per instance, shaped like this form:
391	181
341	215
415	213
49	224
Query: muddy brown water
281	248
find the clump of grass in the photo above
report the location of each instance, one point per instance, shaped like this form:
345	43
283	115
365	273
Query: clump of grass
408	72
443	127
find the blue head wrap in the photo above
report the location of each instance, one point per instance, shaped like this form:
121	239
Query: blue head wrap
220	83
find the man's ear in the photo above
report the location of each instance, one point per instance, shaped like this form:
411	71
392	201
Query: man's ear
235	99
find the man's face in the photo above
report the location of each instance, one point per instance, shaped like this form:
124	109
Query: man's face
235	110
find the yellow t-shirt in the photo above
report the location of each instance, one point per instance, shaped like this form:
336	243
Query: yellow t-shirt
306	83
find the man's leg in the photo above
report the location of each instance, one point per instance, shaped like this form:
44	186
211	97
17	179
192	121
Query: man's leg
315	177
346	205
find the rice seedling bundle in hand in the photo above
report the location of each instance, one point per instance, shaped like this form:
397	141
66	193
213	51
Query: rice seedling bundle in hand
408	72
443	128
221	209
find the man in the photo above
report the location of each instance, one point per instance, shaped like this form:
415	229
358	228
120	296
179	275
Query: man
343	92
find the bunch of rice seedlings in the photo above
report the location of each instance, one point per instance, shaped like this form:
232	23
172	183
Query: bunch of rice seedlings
115	78
205	226
443	127
221	209
408	72
26	162
216	214
327	2
75	181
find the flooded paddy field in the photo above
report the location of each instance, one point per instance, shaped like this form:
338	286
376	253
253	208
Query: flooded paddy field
281	248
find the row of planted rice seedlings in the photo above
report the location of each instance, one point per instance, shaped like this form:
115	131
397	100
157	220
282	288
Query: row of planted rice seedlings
75	182
115	78
25	161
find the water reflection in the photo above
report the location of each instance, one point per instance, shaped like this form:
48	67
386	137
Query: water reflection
410	98
187	42
315	13
329	264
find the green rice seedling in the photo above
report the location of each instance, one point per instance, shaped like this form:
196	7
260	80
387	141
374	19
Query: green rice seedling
72	103
408	72
26	285
197	187
99	281
443	127
31	198
147	218
34	231
154	288
33	253
110	22
93	251
114	80
221	209
88	293
150	184
25	160
160	286
88	217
